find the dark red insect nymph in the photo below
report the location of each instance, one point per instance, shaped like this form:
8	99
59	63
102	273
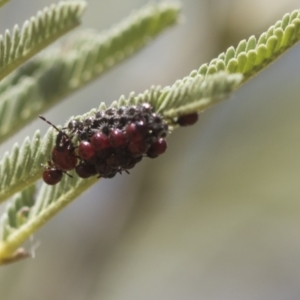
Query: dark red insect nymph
63	157
187	120
108	142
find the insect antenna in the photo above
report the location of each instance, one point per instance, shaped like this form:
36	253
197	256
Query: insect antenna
45	120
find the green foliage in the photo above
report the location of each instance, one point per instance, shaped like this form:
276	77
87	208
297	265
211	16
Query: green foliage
253	55
15	215
83	57
36	34
185	96
80	60
17	212
23	166
50	200
194	94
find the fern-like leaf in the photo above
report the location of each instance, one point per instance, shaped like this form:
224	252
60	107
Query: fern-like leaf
49	78
192	94
182	97
16	214
23	166
253	55
196	94
36	34
49	202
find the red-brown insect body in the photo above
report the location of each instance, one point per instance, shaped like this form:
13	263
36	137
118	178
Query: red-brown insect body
86	151
64	160
157	148
63	157
85	170
63	154
187	120
107	143
52	176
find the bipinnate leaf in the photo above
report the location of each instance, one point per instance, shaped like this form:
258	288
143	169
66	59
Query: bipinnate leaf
183	97
15	215
194	93
83	57
23	165
25	215
17	211
37	33
253	55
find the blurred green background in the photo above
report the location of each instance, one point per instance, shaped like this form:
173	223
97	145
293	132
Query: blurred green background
218	216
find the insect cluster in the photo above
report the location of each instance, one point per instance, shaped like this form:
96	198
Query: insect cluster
107	143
